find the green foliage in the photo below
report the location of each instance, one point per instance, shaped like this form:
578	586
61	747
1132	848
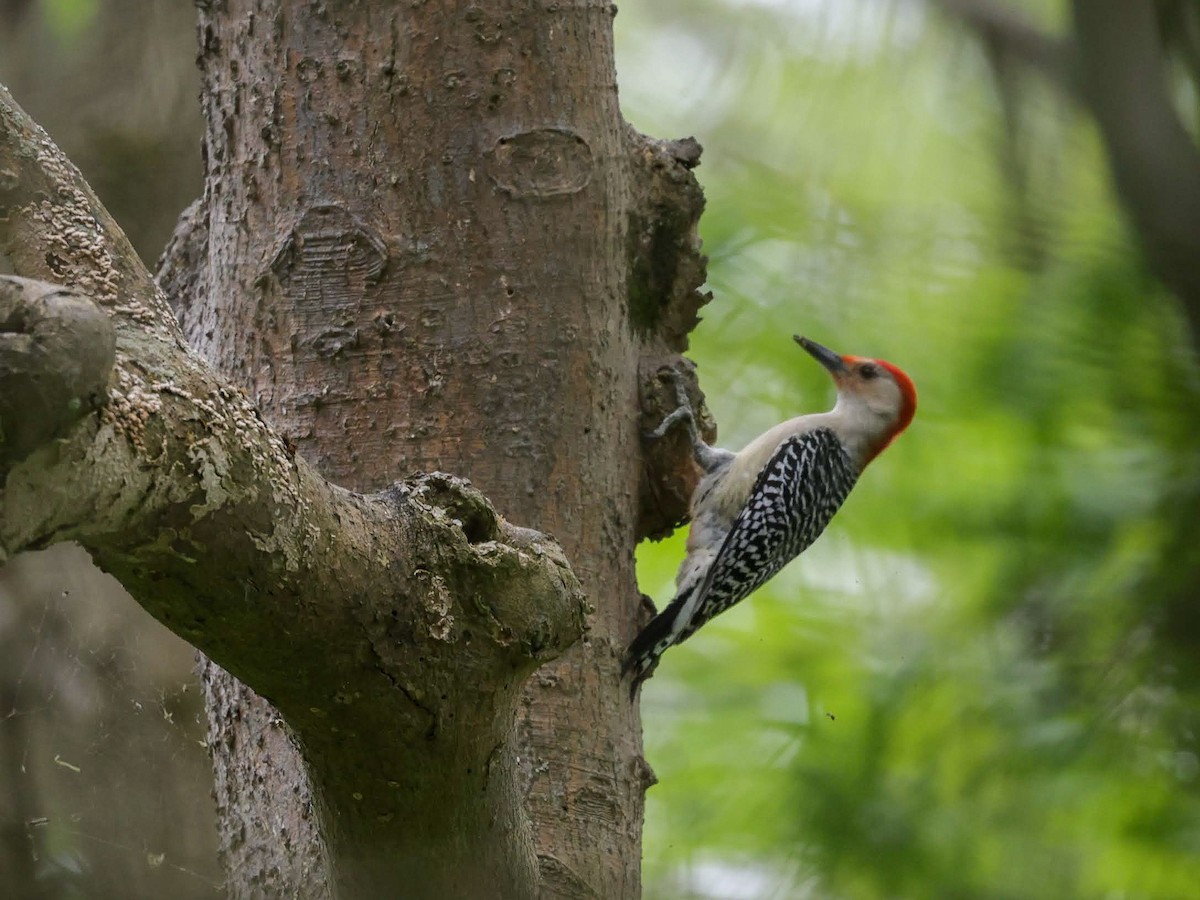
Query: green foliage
981	682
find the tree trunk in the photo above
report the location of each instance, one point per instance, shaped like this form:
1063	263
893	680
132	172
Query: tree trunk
428	242
418	207
432	204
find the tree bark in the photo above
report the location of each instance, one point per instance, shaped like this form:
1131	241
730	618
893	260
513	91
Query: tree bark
432	205
118	437
428	242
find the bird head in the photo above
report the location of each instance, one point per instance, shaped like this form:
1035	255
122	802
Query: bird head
876	400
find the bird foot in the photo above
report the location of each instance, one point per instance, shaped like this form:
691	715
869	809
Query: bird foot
683	413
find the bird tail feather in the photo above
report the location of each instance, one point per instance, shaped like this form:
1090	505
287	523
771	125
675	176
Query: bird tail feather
643	654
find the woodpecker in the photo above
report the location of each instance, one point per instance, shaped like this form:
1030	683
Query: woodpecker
755	511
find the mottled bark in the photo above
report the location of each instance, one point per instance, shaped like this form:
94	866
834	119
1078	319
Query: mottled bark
427	242
433	207
173	482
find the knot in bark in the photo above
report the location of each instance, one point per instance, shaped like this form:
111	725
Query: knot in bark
488	578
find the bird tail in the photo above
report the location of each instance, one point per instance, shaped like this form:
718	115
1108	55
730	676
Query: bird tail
643	654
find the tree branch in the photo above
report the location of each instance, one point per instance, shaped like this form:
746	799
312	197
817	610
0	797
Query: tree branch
53	227
1115	65
41	328
1010	35
1155	163
176	485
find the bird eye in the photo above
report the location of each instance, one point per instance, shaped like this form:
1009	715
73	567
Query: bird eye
869	371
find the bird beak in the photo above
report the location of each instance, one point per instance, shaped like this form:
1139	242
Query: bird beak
826	357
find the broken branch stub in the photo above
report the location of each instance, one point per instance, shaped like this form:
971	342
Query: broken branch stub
57	350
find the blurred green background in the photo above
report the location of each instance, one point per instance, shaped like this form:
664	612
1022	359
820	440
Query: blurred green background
984	680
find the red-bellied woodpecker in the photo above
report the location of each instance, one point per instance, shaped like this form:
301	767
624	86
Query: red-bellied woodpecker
753	512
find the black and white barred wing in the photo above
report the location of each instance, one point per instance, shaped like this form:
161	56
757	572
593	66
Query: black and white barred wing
797	493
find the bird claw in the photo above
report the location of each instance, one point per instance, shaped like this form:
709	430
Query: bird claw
708	458
682	414
684	411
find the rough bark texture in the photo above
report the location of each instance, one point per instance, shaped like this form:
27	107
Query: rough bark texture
435	213
179	490
428	242
173	482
